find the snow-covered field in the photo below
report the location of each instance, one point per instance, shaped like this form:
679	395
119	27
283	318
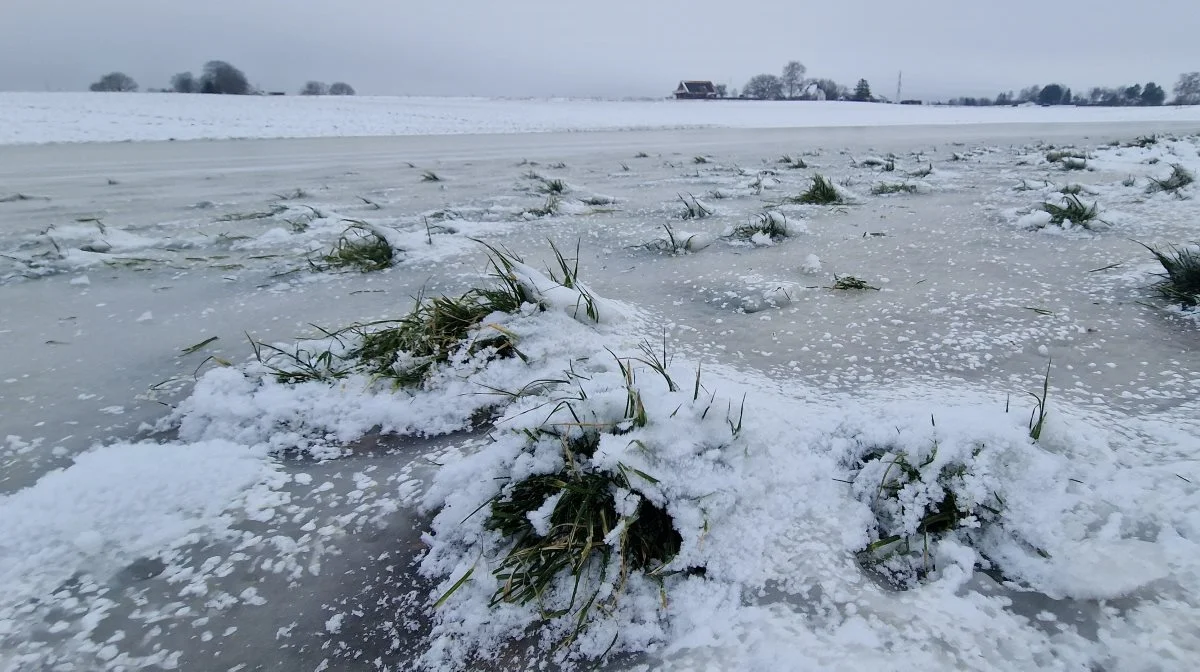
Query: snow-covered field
170	503
92	117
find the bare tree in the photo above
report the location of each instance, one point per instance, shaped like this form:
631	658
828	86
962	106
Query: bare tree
221	77
341	89
185	82
763	87
1187	89
115	81
722	91
793	78
314	88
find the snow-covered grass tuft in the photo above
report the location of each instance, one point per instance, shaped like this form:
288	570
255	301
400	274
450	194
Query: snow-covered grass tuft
1072	212
1181	281
794	163
678	242
916	501
821	192
550	208
430	176
847	282
894	188
1179	178
766	228
693	208
552	186
361	246
1062	155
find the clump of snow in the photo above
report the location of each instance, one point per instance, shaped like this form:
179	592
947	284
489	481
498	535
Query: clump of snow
1037	219
811	265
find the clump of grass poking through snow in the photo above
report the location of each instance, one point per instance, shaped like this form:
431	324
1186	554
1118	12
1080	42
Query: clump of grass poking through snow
1054	156
699	159
796	163
430	176
820	192
915	503
407	350
922	172
676	242
893	188
693	209
547	209
553	186
850	282
1181	279
576	537
1072	210
772	224
362	247
1179	178
1074	164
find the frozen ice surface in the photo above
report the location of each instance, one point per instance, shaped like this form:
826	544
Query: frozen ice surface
165	506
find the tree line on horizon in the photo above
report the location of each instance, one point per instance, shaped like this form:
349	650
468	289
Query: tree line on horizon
792	84
218	77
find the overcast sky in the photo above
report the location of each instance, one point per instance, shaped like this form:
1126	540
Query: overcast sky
594	48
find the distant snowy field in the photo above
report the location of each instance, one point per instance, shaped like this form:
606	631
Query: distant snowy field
31	118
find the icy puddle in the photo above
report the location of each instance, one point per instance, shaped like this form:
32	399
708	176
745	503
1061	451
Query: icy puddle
841	412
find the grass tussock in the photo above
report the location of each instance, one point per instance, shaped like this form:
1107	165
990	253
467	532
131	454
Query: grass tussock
700	159
1179	178
407	350
577	534
820	192
1181	276
693	208
552	186
641	155
1070	163
598	201
430	176
1074	211
548	209
893	188
771	223
848	282
887	165
793	163
257	214
674	242
294	194
1057	155
360	247
922	172
915	503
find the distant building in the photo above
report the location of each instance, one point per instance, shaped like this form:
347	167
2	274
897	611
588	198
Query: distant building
695	90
